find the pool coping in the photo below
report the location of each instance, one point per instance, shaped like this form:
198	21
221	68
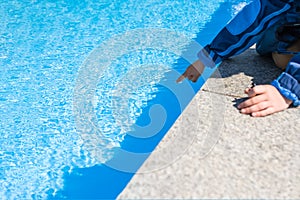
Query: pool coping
245	157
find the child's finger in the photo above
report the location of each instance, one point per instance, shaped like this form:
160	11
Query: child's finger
253	101
260	89
263	113
181	78
255	108
247	90
192	78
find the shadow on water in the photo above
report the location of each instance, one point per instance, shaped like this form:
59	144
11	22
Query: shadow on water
103	182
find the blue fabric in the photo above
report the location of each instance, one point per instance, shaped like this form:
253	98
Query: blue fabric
268	42
285	92
250	13
243	31
294	67
288	83
225	44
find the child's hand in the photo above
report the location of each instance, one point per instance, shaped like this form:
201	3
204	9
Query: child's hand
263	100
192	72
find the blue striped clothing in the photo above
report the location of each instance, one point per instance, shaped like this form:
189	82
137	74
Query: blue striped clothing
247	28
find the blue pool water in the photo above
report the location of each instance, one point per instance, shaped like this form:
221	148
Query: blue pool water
88	89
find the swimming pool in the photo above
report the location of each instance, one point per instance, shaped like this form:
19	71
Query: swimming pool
88	89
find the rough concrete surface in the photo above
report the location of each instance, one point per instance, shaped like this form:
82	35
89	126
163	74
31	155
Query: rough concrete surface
213	151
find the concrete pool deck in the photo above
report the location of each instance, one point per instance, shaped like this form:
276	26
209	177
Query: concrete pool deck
226	154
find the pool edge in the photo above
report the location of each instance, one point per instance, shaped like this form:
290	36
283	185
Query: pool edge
242	156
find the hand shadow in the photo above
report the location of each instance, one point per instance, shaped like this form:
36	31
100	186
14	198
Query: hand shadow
237	101
261	68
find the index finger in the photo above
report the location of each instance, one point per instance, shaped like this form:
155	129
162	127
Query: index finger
181	78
